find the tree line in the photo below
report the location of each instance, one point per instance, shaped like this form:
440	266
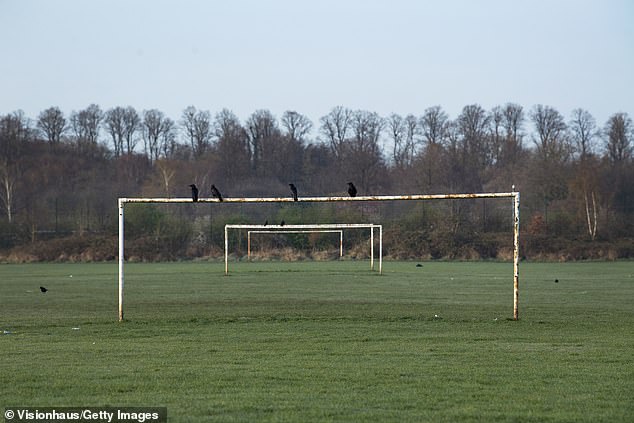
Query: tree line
61	174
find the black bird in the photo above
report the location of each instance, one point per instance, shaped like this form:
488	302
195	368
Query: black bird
556	280
194	192
43	289
294	191
266	222
282	223
352	190
216	193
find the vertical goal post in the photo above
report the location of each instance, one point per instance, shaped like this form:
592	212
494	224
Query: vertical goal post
336	227
515	195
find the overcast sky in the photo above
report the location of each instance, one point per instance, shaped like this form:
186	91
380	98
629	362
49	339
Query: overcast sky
390	56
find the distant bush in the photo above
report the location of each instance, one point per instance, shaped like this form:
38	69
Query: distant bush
86	248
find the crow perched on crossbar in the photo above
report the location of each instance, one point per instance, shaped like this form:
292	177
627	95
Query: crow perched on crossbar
194	192
216	193
352	190
294	191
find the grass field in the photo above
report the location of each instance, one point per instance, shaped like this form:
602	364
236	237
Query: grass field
320	341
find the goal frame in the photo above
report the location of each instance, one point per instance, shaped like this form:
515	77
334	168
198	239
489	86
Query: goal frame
299	228
514	195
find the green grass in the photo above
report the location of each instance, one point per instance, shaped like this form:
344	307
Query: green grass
324	341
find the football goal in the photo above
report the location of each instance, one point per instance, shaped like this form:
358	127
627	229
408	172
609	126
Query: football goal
366	207
308	228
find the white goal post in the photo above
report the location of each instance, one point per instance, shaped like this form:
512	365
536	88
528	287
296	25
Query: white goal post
300	228
515	195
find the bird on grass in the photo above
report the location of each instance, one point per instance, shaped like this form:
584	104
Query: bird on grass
294	191
352	190
194	192
43	289
216	193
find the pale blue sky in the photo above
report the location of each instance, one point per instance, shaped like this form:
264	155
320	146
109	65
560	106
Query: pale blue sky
385	56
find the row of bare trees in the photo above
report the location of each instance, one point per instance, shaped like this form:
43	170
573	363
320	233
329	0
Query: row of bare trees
66	171
489	136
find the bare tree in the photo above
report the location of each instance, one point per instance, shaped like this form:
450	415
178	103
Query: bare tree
433	125
113	121
473	124
262	129
336	126
198	128
14	133
585	189
473	128
167	142
583	131
553	152
318	168
496	122
552	141
297	126
232	145
367	127
86	124
396	130
618	192
122	124
53	124
513	122
131	124
403	133
155	129
619	134
276	155
363	151
167	173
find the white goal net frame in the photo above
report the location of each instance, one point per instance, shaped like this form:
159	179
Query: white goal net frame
308	228
514	195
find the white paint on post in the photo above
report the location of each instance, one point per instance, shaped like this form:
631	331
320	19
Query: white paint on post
249	246
226	253
516	255
121	259
372	248
340	244
380	250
